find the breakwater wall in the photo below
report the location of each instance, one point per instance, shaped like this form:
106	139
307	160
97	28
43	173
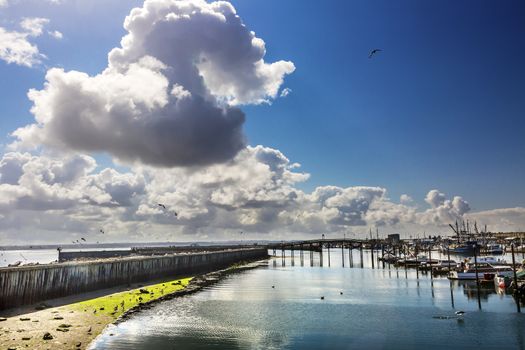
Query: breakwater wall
98	254
64	256
30	284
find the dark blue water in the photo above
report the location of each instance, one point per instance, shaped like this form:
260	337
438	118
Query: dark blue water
379	309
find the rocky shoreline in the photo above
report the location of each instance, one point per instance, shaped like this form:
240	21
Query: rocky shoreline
196	284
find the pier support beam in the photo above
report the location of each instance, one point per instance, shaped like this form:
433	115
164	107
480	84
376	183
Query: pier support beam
372	255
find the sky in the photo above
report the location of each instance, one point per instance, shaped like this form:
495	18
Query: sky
259	119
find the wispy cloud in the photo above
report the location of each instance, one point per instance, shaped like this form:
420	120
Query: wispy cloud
16	47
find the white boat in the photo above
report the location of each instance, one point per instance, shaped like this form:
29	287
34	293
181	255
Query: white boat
469	273
489	260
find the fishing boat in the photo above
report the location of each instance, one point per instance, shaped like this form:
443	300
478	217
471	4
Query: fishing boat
467	248
494	249
469	272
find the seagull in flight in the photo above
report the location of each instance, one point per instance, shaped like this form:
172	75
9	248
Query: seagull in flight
162	205
102	231
83	239
373	52
176	214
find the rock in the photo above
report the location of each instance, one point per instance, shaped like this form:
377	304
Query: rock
26	338
42	306
143	291
47	336
64	325
62	329
101	309
58	318
3	319
79	344
11	348
25	319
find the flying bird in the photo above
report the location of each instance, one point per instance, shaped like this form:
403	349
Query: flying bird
373	52
83	239
101	231
460	313
176	214
162	205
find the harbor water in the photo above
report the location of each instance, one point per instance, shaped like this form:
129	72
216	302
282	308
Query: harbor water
285	306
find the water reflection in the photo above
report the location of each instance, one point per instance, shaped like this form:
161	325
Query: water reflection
375	310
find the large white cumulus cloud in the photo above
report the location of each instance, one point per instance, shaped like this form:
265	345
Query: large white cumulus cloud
168	96
256	192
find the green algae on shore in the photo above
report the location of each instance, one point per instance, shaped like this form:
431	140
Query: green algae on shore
75	325
116	304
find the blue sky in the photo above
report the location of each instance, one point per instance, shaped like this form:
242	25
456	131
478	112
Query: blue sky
440	107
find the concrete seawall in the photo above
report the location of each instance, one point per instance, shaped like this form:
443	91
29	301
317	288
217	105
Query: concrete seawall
29	284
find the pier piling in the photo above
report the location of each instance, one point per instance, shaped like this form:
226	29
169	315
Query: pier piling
516	295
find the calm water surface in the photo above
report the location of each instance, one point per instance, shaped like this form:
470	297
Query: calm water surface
380	308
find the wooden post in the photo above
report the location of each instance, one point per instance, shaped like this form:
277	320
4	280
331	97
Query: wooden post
383	254
293	255
361	253
448	256
321	258
328	245
405	253
477	277
350	256
311	255
372	254
282	256
343	253
429	260
516	292
417	263
452	293
521	246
